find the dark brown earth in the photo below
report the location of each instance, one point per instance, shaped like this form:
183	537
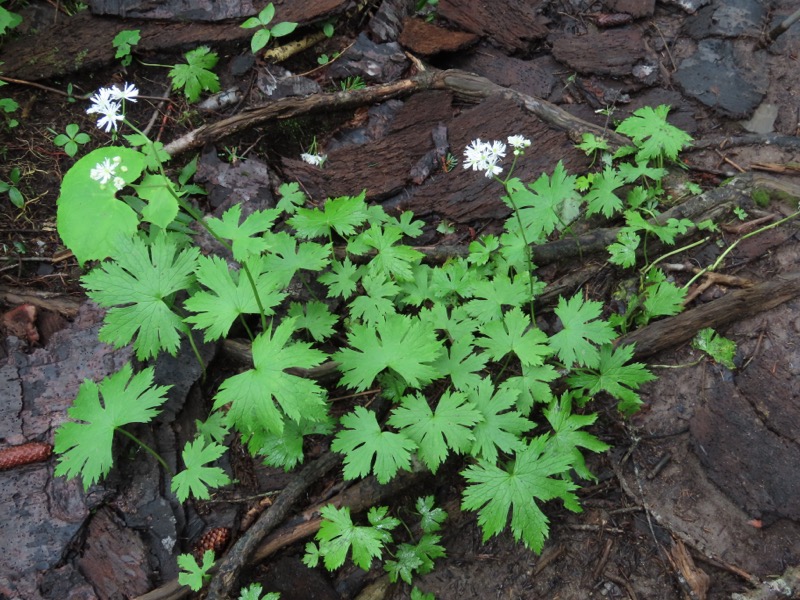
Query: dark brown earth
700	497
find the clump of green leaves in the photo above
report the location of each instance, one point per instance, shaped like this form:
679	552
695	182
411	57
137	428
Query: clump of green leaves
265	33
196	76
454	347
11	187
72	139
8	20
124	42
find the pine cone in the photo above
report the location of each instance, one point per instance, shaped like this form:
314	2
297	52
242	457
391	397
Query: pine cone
214	539
15	456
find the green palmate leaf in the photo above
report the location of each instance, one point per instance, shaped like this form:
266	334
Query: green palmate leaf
490	296
378	300
292	197
455	322
315	317
623	251
197	477
662	298
85	446
417	594
8	20
542	209
162	207
500	427
431	516
215	428
601	197
461	363
719	348
285	450
436	433
230	294
124	41
193	574
254	591
341	215
533	386
455	278
362	442
613	375
401	343
90	217
342	279
494	491
568	437
253	394
482	249
640	170
576	342
195	76
514	335
244	236
653	136
408	225
338	534
154	153
140	286
414	558
390	259
286	257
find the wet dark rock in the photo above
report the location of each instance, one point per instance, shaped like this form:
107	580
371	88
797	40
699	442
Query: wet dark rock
427	39
379	63
275	82
730	79
295	581
732	18
690	6
387	23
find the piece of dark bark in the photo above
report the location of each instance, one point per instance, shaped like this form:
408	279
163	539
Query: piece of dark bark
635	8
58	303
426	39
467	87
622	50
175	10
513	24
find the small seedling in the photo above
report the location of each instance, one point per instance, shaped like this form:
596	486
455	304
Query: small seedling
264	34
12	188
719	348
352	83
193	574
124	41
71	139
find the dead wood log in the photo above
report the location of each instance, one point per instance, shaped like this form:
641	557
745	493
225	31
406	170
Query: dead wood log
57	303
467	87
731	307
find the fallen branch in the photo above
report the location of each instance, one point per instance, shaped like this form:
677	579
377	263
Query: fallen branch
731	307
467	87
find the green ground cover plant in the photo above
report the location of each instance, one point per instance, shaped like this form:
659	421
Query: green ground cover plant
454	348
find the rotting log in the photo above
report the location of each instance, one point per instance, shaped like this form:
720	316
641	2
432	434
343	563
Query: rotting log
467	87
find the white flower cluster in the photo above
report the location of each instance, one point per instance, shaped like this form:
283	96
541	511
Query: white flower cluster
314	159
484	156
107	102
107	171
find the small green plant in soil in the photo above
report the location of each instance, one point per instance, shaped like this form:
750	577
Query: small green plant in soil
195	76
265	33
71	139
124	42
352	83
11	187
719	348
453	348
195	574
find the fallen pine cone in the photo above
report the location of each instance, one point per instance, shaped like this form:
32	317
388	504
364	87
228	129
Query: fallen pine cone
214	539
24	454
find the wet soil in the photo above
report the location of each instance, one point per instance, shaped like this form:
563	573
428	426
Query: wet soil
699	497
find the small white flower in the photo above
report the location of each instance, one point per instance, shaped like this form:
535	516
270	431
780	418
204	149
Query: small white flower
118	183
102	102
483	156
128	92
109	121
314	159
103	172
519	142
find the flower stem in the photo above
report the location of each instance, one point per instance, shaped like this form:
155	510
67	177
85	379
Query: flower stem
155	454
